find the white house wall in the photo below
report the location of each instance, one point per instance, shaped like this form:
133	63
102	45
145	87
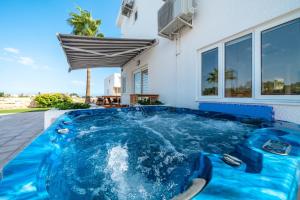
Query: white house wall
173	65
146	25
111	82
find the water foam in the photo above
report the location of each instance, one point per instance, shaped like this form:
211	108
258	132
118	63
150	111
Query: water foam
117	165
131	156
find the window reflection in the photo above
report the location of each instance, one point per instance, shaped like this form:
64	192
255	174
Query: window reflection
145	81
281	59
137	83
238	67
141	82
123	84
209	67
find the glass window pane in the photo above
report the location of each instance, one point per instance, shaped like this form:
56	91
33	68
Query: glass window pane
137	83
238	67
145	81
123	84
281	59
209	73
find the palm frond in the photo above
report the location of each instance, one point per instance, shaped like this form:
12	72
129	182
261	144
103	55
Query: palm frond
84	24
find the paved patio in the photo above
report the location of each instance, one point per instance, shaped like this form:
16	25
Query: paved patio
16	132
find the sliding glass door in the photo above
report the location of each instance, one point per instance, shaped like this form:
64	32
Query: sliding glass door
141	82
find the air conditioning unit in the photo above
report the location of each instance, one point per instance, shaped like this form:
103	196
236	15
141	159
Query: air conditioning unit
127	7
174	15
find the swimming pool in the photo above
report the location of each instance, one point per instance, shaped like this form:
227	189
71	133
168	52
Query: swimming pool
150	153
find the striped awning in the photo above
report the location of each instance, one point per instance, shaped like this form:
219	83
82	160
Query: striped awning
91	52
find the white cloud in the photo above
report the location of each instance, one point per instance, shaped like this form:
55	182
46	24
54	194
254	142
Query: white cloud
26	61
43	67
6	59
13	55
12	50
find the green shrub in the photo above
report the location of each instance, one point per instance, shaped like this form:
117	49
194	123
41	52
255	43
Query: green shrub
1	94
147	102
74	95
52	100
68	106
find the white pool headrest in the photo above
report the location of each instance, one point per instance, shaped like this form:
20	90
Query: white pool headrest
197	186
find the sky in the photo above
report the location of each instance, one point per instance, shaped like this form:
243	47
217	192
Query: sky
31	59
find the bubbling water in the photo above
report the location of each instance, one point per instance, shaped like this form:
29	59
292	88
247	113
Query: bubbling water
117	165
132	156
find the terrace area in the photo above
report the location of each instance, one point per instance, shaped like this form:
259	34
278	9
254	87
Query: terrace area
17	131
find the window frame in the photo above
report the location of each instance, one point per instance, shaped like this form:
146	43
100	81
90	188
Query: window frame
229	39
142	80
252	67
259	32
220	71
140	70
123	84
257	96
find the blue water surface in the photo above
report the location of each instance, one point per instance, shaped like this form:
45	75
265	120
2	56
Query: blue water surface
128	154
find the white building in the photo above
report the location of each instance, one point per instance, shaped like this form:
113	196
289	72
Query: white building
112	85
194	51
252	42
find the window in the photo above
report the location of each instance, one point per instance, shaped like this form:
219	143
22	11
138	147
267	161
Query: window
238	67
266	66
280	59
136	15
137	83
145	81
209	73
117	90
141	82
123	84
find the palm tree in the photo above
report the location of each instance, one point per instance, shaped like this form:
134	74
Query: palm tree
213	76
212	79
230	74
85	25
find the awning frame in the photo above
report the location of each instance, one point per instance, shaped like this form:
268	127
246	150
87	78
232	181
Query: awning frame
103	54
109	52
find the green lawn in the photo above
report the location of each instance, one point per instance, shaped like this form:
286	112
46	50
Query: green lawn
11	111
